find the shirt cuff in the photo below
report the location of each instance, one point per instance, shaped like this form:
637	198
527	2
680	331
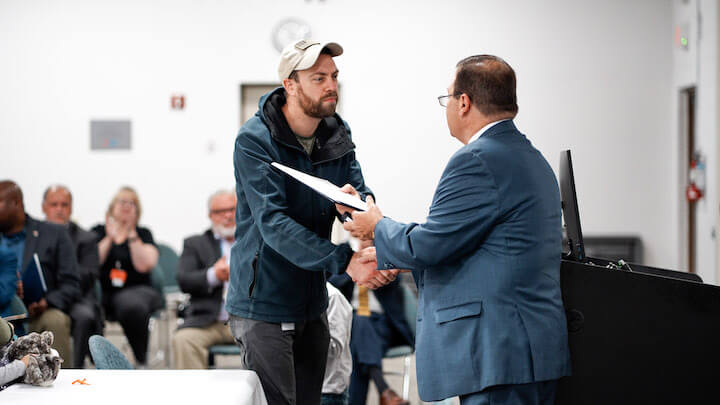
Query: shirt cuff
212	279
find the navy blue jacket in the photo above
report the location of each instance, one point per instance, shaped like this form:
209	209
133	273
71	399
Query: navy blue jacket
282	248
487	265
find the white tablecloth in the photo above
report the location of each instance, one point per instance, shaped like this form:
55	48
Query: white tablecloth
137	387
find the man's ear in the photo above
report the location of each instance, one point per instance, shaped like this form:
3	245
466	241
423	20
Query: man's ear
464	104
290	86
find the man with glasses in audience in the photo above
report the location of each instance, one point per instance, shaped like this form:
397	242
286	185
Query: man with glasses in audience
86	314
203	272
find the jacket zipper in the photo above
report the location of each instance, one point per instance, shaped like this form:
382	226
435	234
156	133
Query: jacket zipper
254	279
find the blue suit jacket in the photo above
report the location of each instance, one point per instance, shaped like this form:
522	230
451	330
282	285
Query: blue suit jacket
487	265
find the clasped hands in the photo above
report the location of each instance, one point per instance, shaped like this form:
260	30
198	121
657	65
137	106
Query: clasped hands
363	265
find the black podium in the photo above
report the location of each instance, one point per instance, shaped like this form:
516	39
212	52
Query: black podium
637	334
647	336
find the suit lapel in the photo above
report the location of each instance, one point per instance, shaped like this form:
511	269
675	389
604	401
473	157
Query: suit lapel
31	239
215	243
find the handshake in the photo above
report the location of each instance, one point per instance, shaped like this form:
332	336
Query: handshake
363	265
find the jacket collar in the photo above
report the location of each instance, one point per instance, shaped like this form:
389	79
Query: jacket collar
331	137
500	127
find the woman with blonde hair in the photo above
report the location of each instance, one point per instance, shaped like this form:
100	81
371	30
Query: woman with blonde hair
127	256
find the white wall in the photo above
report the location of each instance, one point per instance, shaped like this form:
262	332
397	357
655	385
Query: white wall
593	76
698	66
707	137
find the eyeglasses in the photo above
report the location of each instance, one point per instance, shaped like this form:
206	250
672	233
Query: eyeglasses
222	211
443	100
126	202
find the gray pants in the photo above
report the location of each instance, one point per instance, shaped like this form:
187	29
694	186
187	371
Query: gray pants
290	363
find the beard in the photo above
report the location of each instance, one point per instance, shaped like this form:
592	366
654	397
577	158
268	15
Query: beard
317	109
224	232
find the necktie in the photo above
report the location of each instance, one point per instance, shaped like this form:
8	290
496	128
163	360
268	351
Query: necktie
363	302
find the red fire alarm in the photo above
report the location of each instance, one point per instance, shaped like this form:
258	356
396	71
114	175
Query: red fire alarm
177	102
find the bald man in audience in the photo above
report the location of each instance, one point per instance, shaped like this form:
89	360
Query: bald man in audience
86	314
26	236
203	273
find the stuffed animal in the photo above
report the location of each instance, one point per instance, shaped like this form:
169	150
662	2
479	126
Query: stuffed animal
44	363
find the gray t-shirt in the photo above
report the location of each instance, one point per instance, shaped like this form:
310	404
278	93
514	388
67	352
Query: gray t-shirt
307	143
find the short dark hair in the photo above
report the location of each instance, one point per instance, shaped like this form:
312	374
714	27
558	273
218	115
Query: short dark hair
489	82
325	51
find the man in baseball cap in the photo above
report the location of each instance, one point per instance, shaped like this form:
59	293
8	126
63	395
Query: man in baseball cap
277	298
302	54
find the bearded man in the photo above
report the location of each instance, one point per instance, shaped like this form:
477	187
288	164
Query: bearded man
277	298
203	273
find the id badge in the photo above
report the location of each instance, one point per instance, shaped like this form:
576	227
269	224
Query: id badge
118	277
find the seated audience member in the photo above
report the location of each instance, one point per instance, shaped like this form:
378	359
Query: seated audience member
127	256
339	359
203	273
86	315
26	236
378	324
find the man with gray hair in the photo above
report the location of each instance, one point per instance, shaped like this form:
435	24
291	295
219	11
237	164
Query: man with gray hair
203	273
86	314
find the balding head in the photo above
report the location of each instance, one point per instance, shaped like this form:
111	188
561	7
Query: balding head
489	82
57	204
12	209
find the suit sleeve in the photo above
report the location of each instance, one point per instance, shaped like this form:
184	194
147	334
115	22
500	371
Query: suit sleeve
66	273
464	209
264	189
191	275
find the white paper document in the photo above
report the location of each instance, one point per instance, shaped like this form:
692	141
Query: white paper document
324	187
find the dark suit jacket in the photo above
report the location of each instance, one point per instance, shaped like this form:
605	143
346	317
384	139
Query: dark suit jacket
390	298
487	265
57	258
199	253
86	252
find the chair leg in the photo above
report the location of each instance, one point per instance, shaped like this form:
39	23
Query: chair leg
406	379
211	360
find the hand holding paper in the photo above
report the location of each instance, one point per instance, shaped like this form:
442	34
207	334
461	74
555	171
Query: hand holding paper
363	223
344	209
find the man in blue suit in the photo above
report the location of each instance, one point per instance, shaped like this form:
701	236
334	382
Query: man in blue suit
491	326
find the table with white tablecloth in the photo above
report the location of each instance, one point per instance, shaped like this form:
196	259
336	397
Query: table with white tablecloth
136	387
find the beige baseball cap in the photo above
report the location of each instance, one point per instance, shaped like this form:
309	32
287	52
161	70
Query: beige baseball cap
302	54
